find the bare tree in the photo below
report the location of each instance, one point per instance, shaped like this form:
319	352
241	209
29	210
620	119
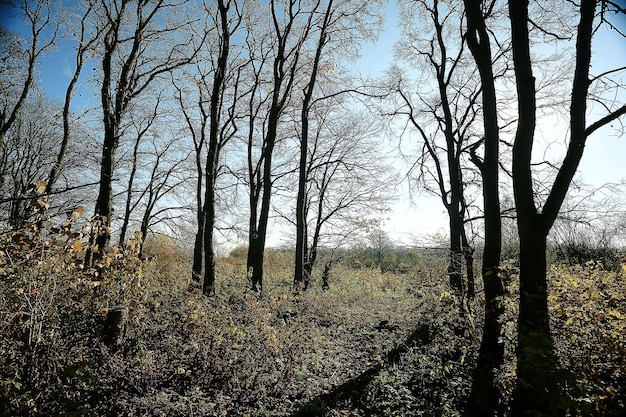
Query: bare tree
141	127
87	37
300	261
536	362
341	26
445	120
218	81
291	23
484	398
140	45
348	183
19	59
165	177
228	20
28	152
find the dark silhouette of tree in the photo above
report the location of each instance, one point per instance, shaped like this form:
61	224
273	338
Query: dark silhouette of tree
301	264
347	181
484	398
291	24
217	79
539	390
341	26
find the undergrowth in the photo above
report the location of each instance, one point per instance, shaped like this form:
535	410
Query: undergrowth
401	339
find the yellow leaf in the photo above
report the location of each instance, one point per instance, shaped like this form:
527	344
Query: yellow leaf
77	245
77	213
39	187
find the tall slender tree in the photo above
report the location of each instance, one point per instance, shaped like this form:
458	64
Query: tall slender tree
216	77
484	398
347	182
291	23
452	111
227	25
87	37
300	270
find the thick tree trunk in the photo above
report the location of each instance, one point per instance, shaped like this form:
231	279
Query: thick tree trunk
256	259
298	274
258	231
114	101
537	391
198	244
455	267
256	249
101	233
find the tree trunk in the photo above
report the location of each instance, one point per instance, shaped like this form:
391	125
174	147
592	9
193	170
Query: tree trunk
208	286
537	389
253	250
255	260
198	251
455	268
101	236
298	274
129	196
113	101
484	398
468	253
303	266
255	263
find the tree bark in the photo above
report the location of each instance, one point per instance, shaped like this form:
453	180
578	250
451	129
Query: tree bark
455	267
484	397
537	384
112	109
285	65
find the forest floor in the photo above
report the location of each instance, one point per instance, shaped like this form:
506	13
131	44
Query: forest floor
373	344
